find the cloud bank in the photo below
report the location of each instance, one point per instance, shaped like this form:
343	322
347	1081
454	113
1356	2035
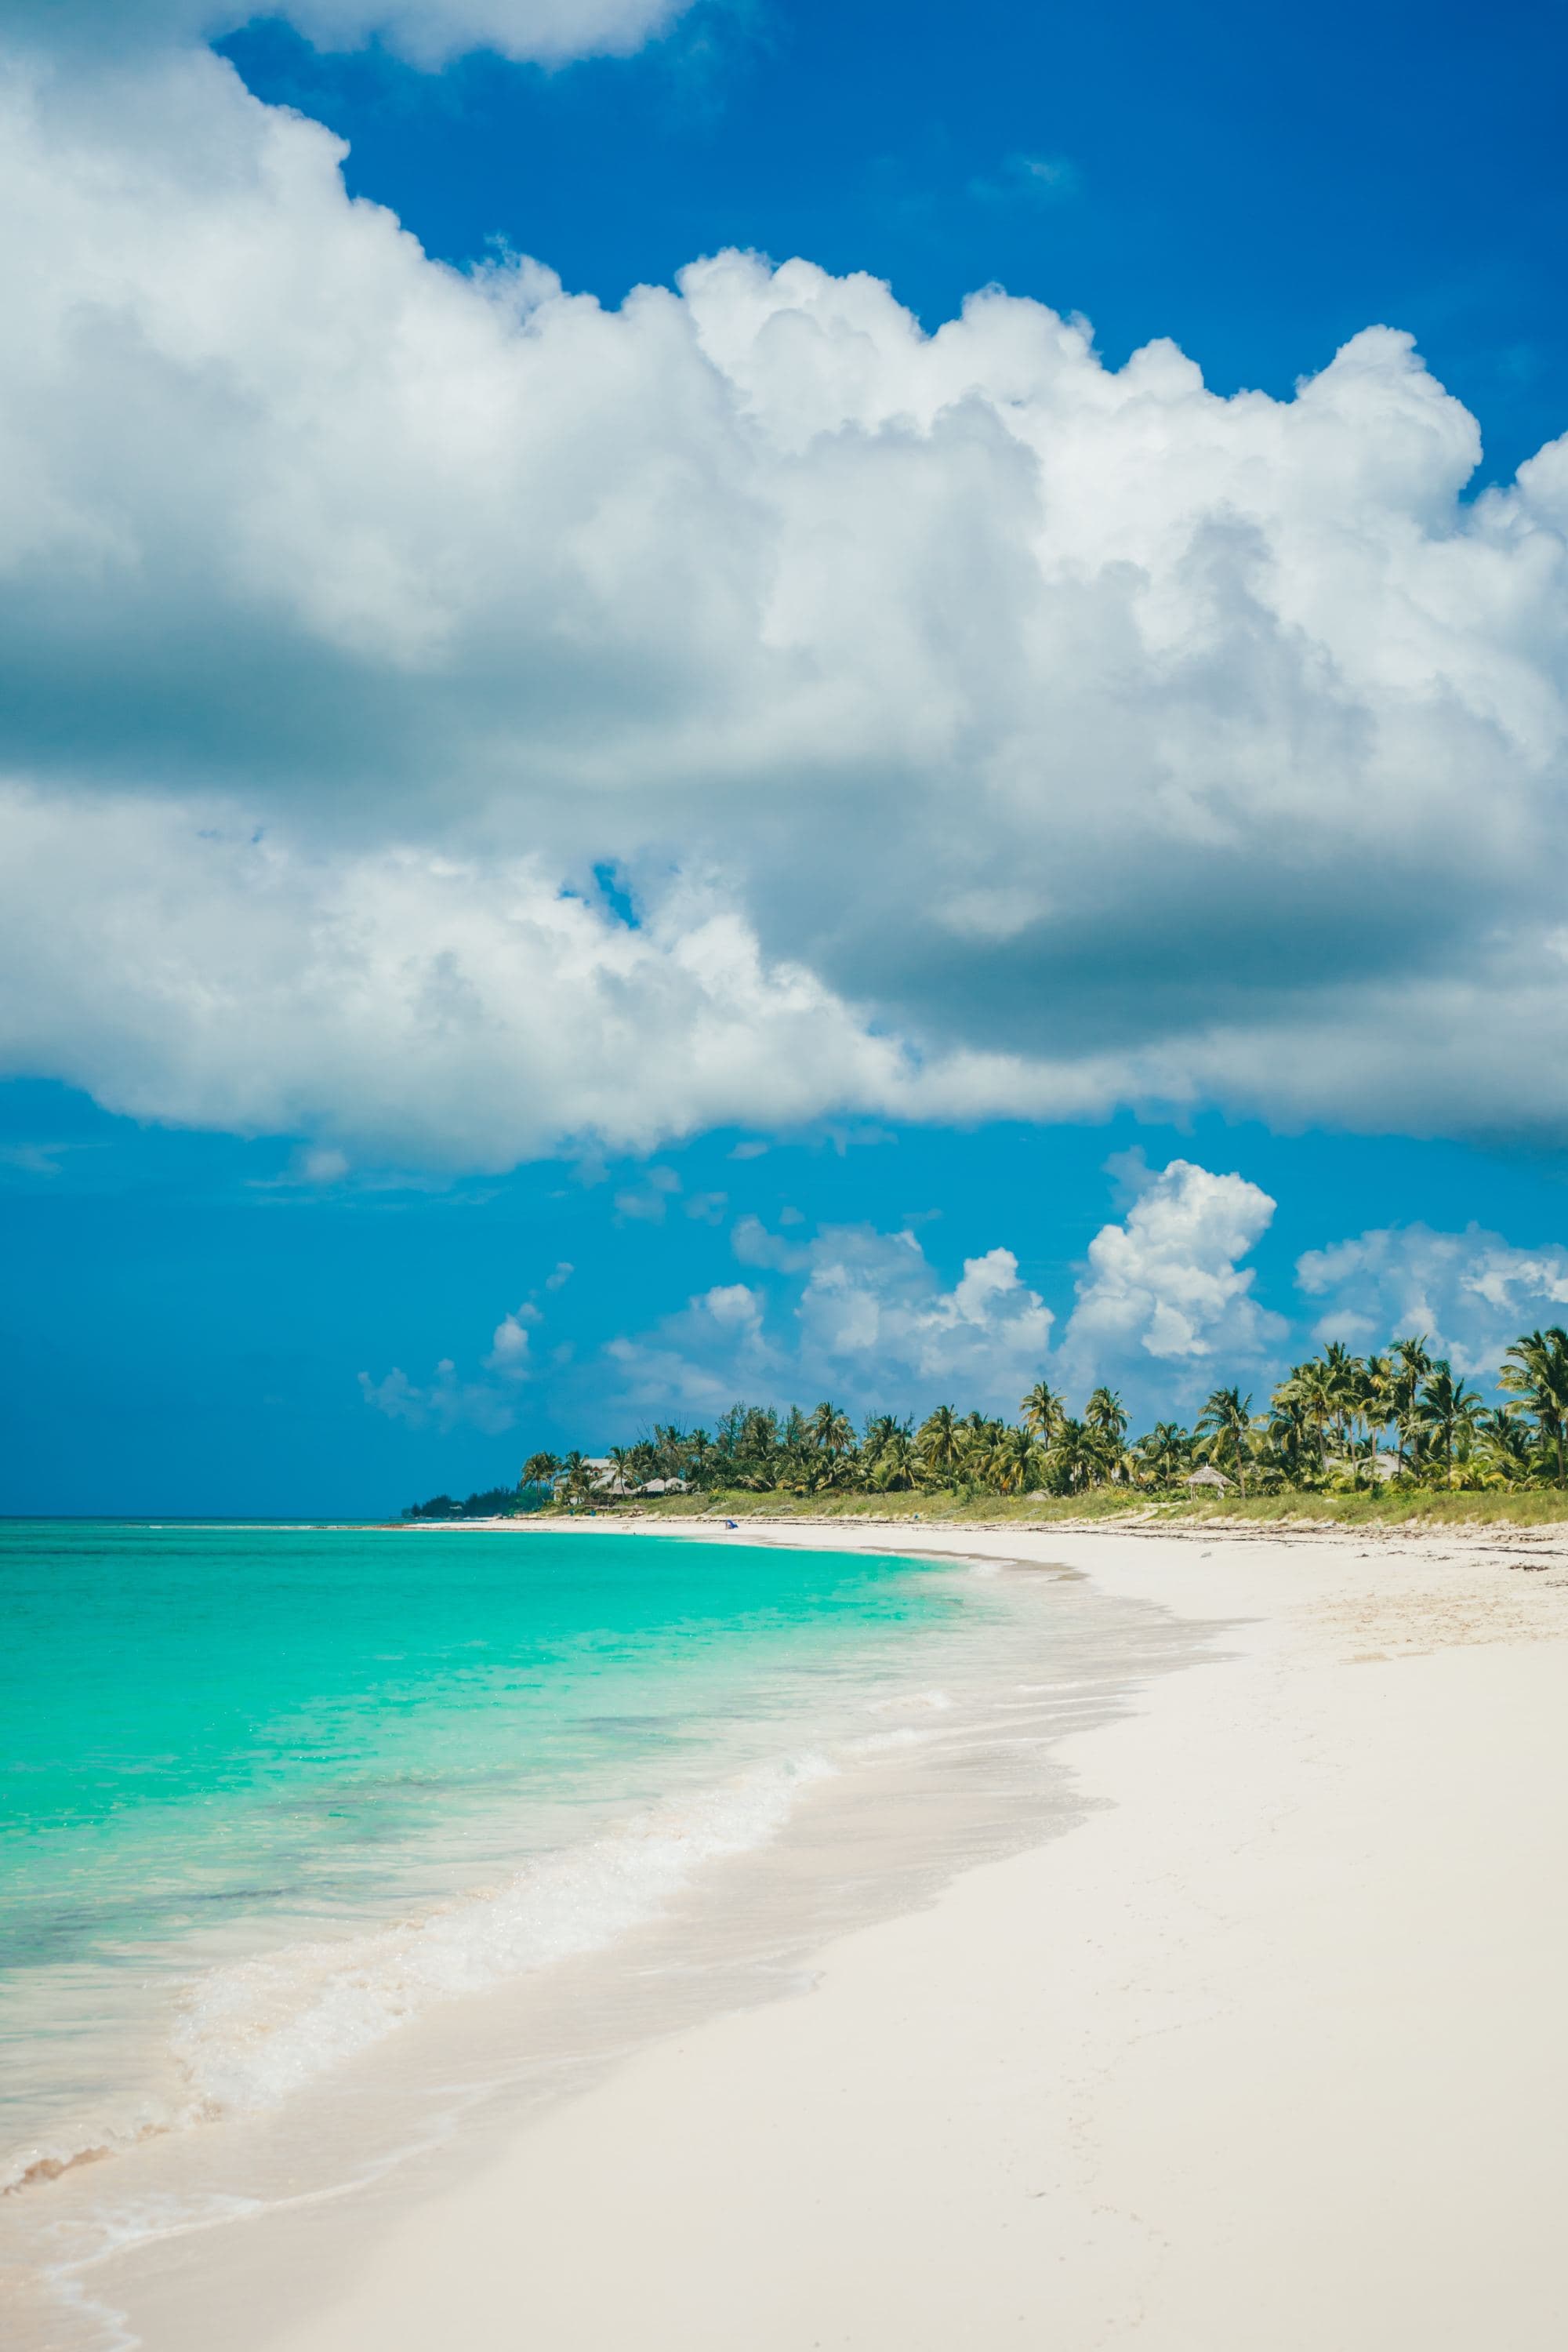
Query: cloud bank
1164	1310
1470	1294
976	728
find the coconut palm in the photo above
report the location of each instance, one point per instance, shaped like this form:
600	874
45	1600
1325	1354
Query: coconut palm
940	1441
830	1431
1014	1462
1444	1408
1377	1406
1076	1458
1310	1390
1042	1410
1105	1418
895	1466
1295	1440
1535	1373
1224	1425
1507	1445
1412	1361
539	1470
1345	1377
1165	1451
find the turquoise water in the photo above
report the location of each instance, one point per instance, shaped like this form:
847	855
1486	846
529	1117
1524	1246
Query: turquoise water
223	1743
328	1852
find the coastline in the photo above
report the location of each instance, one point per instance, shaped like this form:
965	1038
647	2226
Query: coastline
1264	2050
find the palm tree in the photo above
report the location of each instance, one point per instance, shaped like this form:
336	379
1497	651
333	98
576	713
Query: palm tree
881	1428
1013	1461
1226	1423
1309	1392
940	1440
1042	1410
538	1470
895	1465
1507	1446
1412	1362
1344	1380
1535	1371
1075	1457
1165	1450
831	1432
1292	1432
1377	1406
579	1479
1105	1418
1445	1407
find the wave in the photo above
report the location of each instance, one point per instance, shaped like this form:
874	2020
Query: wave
254	2031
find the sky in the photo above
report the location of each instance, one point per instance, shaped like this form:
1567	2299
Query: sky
763	701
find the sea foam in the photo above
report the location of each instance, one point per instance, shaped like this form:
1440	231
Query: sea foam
253	2030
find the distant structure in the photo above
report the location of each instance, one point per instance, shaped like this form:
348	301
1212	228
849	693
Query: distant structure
1207	1476
607	1480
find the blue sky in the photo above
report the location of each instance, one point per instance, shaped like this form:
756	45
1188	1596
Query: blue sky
1257	185
618	852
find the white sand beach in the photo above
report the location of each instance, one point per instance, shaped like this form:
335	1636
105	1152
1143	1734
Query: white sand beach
1268	2050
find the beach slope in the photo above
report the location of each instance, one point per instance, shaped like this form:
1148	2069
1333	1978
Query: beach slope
1269	2051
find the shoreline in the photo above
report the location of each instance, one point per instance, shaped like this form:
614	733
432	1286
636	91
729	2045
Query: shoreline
1264	2050
1502	1534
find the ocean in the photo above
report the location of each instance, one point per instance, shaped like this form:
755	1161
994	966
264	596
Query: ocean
288	1810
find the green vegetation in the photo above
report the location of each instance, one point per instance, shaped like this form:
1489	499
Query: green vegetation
1370	1440
495	1503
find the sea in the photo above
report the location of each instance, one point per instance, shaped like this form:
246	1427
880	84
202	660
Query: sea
328	1852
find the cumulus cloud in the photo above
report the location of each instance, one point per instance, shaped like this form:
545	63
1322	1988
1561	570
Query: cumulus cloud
1152	731
1470	1293
869	1324
1166	1283
407	1005
447	1400
1163	1309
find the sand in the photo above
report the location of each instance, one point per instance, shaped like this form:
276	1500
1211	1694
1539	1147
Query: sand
1268	2052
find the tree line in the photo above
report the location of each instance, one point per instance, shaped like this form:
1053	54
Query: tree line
1337	1421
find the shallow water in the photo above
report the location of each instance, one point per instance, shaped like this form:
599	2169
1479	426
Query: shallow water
322	1842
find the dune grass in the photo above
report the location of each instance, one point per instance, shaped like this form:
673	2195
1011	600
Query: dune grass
1531	1506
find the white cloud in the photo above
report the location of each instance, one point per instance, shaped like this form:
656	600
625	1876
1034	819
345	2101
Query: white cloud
418	1007
874	1313
870	1325
1163	1311
1165	1285
697	1362
509	1353
446	1403
449	1401
427	32
1147	729
1470	1293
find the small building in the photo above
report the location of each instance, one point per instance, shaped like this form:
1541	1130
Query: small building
602	1475
665	1487
1207	1476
